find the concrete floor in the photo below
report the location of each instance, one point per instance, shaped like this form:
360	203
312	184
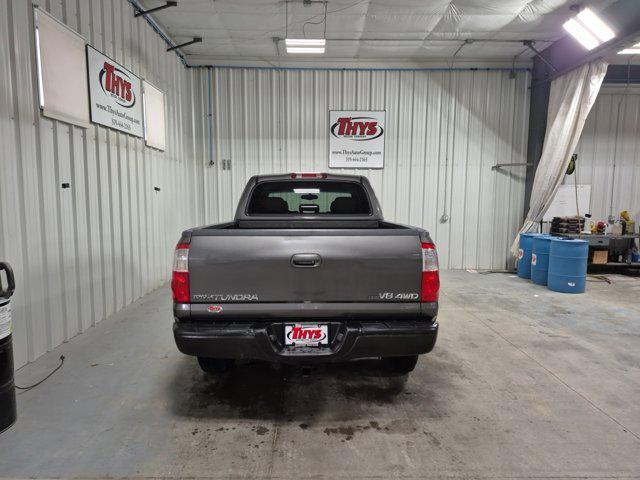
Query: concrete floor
523	382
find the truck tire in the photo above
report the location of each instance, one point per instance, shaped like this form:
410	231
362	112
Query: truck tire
400	365
215	365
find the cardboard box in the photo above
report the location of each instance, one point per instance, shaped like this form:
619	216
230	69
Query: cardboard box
600	256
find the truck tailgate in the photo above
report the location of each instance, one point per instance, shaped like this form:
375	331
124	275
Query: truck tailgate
258	266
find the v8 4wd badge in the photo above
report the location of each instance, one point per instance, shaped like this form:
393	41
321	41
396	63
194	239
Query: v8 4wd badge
397	296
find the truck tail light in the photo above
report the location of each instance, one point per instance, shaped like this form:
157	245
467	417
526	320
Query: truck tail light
180	277
430	277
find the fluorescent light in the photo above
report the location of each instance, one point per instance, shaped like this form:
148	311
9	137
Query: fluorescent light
305	50
589	29
581	34
305	45
305	42
595	25
630	51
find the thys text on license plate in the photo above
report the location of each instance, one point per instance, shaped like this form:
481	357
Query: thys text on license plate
306	335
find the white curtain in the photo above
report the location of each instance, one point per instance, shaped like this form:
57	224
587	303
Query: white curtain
570	100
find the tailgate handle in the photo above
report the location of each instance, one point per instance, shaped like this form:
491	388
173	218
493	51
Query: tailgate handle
306	260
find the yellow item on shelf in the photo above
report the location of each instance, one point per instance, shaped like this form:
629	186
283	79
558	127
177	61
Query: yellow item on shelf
625	215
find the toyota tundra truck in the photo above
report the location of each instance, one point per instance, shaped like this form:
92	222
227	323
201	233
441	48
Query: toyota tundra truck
308	271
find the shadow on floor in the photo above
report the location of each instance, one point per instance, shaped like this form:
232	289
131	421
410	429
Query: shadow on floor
263	391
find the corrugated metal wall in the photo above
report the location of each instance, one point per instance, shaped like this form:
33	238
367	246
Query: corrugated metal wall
609	153
82	253
444	131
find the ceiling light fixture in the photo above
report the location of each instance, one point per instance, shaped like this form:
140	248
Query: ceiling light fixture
305	50
589	29
305	42
586	39
305	45
595	25
634	50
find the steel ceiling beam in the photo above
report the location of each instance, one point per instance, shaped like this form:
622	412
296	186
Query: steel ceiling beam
530	44
185	44
155	9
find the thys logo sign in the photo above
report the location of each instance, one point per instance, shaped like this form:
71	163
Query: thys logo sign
117	84
356	128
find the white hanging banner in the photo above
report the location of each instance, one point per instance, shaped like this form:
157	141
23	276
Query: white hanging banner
356	138
115	94
570	100
153	116
61	67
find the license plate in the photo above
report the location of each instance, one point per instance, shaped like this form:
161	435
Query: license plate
306	335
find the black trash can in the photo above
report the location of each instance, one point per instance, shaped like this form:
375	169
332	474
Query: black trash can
8	411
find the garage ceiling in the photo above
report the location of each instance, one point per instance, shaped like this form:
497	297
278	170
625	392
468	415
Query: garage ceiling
250	32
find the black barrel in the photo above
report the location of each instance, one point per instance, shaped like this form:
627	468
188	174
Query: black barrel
8	411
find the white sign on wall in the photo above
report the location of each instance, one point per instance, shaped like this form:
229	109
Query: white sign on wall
153	116
564	203
356	139
115	94
62	70
5	320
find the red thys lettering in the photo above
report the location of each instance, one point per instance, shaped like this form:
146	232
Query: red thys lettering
296	333
299	333
347	127
115	84
344	123
110	76
117	88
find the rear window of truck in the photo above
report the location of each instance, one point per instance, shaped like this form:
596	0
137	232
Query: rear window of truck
309	198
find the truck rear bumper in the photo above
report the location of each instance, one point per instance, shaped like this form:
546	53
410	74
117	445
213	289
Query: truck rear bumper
349	340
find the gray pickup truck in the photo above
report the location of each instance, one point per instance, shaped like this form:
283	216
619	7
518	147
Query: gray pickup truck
307	272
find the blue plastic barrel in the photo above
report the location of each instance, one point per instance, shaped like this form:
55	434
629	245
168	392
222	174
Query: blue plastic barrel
540	259
568	265
524	254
